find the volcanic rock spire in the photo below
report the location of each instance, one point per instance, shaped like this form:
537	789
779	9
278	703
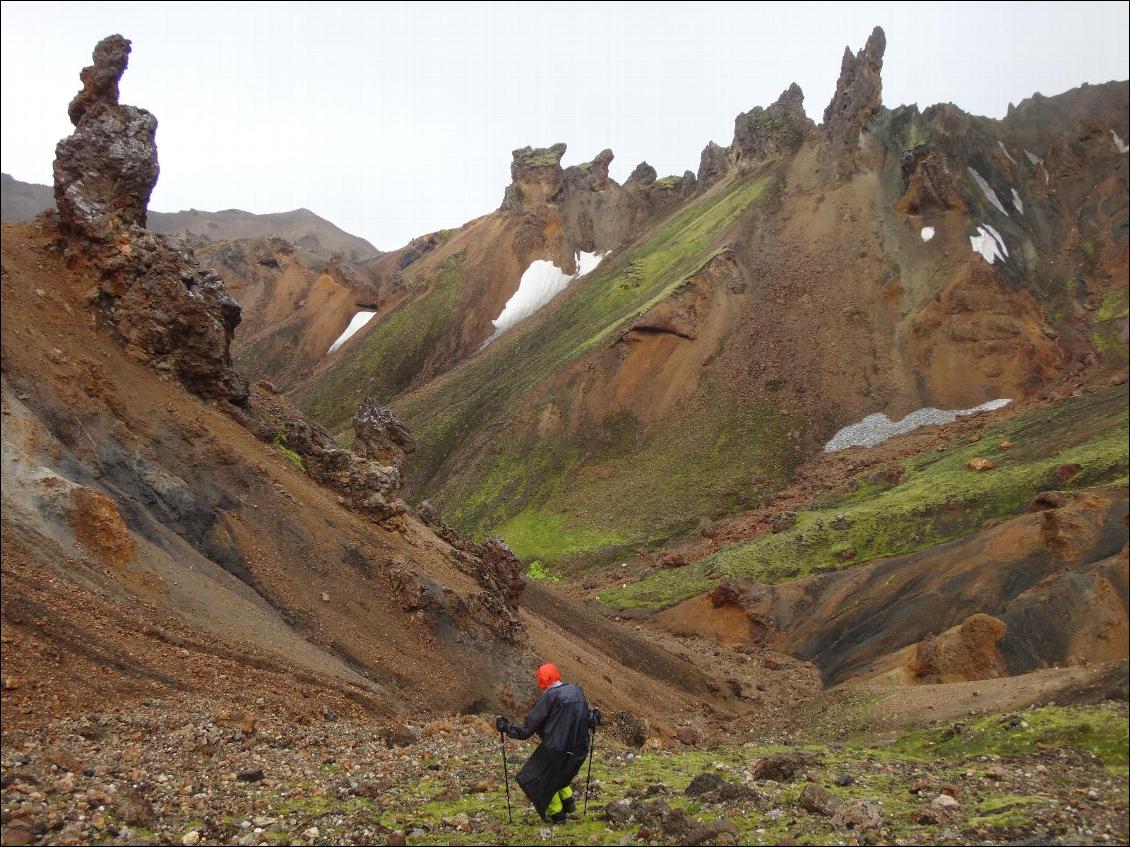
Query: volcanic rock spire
106	170
859	95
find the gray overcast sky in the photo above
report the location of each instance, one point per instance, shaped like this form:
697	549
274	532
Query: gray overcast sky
393	120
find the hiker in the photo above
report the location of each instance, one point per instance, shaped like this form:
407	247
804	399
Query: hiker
562	718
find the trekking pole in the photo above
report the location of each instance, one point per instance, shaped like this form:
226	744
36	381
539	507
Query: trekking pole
588	779
505	775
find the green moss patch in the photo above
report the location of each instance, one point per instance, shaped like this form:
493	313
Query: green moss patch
1100	731
939	499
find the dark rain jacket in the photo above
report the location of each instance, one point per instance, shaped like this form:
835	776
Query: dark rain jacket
561	718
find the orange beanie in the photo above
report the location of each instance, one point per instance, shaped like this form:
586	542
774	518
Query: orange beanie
547	675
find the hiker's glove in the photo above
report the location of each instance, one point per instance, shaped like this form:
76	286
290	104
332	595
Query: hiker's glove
501	724
594	718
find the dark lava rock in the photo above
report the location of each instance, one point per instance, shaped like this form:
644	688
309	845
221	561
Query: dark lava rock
762	134
704	783
783	767
859	95
106	170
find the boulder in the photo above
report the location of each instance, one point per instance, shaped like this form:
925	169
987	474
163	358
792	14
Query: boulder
818	800
857	815
783	767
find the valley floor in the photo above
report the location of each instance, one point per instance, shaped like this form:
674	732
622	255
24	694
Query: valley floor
192	772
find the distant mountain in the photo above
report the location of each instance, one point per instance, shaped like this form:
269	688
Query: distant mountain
301	227
22	201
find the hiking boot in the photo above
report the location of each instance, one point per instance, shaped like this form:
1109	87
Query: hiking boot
569	806
560	817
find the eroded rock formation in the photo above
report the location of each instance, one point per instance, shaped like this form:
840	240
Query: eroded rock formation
859	95
165	307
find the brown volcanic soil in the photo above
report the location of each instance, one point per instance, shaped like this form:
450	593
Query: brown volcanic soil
153	547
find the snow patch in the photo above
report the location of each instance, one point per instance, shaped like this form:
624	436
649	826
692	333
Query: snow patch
1005	149
987	190
1032	157
989	243
877	428
1119	143
1017	202
927	233
359	320
541	282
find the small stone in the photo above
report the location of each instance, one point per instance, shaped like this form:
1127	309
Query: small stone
844	780
944	802
1006	445
325	597
397	839
311	833
250	776
980	464
189	838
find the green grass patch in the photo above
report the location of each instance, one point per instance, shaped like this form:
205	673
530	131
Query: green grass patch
939	500
1098	730
292	457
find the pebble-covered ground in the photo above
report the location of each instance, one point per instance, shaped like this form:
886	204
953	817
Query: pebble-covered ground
151	775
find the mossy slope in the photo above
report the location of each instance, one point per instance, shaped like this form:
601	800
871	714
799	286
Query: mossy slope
939	499
481	456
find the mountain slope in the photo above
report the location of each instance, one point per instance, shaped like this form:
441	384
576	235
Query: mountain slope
808	277
169	530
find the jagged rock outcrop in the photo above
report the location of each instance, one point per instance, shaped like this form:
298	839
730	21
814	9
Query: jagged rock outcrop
165	307
536	178
590	176
712	165
368	479
760	134
859	95
379	435
642	176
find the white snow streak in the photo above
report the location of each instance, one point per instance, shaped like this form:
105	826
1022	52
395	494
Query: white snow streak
987	189
1119	143
1017	202
877	428
359	320
541	282
1005	149
989	243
